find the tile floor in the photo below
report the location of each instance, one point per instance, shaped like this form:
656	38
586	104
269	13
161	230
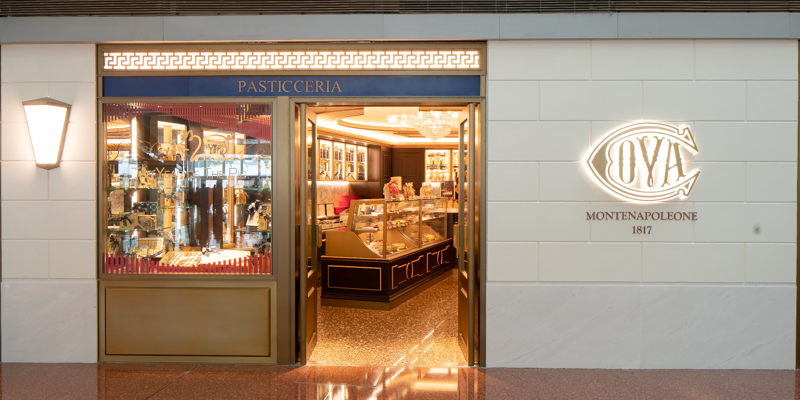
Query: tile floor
420	332
182	381
410	362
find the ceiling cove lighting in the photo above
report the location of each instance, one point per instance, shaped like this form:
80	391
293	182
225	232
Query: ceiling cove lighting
434	125
47	125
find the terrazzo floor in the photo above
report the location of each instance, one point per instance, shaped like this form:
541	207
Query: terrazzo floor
422	332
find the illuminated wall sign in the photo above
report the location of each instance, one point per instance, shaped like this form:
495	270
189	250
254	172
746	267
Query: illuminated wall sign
645	162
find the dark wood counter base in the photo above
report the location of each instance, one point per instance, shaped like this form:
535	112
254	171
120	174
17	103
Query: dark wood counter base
384	284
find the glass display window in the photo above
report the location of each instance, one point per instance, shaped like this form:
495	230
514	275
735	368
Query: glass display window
188	188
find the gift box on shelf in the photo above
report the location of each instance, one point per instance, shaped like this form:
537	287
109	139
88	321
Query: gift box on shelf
145	207
128	221
148	222
150	247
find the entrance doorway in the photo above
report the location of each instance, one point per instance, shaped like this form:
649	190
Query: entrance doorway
388	252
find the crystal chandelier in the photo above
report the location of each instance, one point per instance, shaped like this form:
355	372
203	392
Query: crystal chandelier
434	125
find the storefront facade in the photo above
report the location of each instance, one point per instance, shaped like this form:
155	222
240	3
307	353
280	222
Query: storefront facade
651	247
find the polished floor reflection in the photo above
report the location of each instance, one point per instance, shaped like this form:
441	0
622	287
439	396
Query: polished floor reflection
155	381
421	332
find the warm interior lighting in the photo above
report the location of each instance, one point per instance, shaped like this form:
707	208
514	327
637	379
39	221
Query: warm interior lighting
434	125
47	126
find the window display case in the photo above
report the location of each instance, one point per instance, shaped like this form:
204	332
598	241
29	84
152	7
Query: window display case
187	189
388	251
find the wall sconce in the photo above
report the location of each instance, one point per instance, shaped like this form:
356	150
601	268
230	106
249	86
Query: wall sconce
47	126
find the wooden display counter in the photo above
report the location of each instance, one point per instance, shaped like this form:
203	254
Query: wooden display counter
384	284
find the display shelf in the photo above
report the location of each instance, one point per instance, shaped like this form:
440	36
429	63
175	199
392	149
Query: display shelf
137	230
111	189
252	230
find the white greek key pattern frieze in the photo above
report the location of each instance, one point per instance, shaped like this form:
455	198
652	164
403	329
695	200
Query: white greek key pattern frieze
293	60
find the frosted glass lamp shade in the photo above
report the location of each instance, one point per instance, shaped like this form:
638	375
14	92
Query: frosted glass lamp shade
47	126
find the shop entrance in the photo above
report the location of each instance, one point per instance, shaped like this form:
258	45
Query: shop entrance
388	232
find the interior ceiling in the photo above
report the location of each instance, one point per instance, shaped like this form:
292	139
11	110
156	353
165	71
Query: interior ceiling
371	123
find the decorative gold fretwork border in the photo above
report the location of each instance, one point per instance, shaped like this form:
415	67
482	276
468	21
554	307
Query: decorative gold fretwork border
312	60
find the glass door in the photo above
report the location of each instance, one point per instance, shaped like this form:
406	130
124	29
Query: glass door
465	236
310	235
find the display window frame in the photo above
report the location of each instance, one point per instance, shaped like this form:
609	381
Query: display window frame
102	191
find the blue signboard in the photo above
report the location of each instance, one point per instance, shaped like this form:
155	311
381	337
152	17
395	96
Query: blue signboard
315	86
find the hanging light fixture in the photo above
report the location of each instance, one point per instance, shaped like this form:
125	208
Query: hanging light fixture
434	125
47	125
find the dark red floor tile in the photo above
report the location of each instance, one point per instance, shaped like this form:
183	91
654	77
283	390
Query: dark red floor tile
136	381
48	381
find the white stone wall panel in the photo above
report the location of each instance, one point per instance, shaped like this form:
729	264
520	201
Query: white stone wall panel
715	292
49	223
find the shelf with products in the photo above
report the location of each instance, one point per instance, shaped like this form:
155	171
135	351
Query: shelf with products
325	149
350	162
361	163
340	161
437	165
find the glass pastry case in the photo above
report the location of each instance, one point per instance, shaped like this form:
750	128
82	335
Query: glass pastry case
386	229
390	251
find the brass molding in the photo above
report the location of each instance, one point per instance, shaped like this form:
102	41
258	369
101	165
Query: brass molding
380	278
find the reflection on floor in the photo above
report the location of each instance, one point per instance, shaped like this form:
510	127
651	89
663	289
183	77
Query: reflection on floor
420	332
197	382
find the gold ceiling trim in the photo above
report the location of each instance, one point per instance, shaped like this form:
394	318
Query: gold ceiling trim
372	140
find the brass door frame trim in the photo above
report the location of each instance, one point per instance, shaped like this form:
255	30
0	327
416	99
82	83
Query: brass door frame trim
797	259
479	103
380	277
479	46
483	233
273	320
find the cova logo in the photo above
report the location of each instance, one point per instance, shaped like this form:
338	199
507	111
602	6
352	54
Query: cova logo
645	162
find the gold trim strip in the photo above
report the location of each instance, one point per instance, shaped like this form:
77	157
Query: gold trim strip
380	278
293	60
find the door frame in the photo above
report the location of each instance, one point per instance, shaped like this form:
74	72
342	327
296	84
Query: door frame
479	207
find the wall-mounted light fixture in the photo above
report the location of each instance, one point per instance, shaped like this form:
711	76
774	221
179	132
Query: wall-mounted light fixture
47	125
